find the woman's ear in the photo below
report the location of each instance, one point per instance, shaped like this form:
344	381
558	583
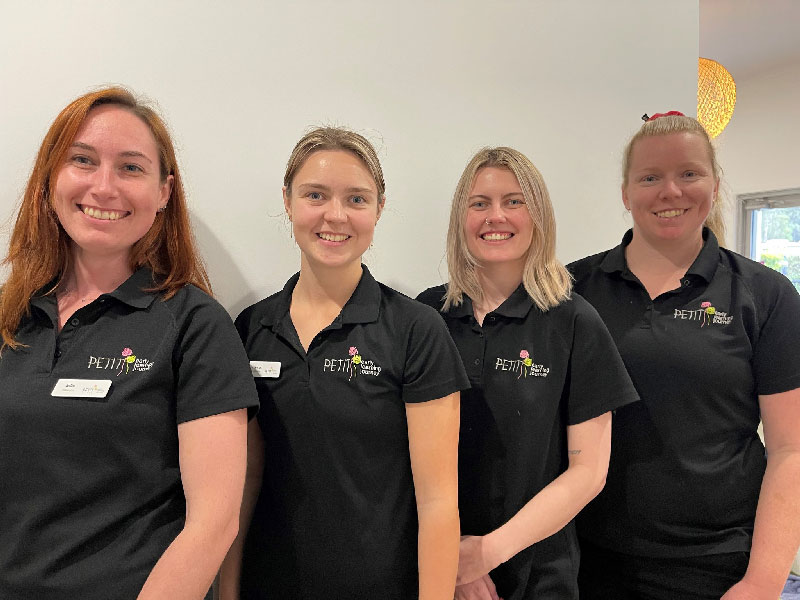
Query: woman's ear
287	202
625	199
381	204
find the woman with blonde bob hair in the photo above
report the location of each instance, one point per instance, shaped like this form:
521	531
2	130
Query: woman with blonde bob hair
693	508
122	402
535	426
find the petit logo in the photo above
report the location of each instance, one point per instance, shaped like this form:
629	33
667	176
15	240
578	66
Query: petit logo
127	362
522	366
706	314
354	365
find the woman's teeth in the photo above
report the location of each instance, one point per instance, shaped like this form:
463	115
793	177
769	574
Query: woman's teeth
103	215
496	237
333	237
666	214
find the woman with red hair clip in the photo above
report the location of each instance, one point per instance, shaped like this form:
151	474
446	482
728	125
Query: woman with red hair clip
693	507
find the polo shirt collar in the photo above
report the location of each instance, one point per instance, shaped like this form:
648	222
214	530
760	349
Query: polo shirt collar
705	265
614	261
516	306
131	292
363	306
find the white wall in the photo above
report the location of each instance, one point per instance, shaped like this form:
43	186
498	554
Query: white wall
429	82
759	150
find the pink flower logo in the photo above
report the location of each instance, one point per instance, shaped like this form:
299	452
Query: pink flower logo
129	357
353	350
705	305
524	363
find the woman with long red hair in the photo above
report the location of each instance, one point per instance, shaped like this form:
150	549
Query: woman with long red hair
123	406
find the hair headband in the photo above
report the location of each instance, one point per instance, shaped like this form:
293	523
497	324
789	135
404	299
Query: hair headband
677	113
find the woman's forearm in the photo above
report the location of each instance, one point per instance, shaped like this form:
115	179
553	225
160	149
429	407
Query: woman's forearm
231	569
187	568
777	527
546	513
438	550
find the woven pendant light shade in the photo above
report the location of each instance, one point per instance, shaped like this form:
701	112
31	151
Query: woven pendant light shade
716	96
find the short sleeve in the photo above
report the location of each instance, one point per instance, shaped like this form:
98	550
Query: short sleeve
211	367
776	356
433	366
598	380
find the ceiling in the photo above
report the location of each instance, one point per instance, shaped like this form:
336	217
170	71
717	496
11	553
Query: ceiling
747	36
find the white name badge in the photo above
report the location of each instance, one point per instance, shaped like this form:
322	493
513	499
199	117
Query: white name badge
81	388
265	368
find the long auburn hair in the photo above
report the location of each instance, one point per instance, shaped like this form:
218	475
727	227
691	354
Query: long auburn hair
546	280
39	248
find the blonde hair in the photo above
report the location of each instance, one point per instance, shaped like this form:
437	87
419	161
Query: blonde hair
667	125
334	138
545	279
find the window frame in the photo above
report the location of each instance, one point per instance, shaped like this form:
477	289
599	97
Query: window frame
787	198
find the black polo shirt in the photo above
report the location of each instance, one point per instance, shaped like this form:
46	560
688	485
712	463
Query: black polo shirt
687	462
532	373
90	488
336	517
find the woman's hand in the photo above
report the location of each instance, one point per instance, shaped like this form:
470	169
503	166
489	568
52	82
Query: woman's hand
480	589
474	559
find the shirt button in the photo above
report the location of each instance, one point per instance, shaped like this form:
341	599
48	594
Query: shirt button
58	353
686	283
477	361
491	318
75	322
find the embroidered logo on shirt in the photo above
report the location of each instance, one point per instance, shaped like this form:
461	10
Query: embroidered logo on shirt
352	366
706	314
523	366
127	362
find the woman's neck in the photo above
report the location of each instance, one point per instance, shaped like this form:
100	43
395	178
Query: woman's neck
661	265
319	296
497	283
326	286
90	276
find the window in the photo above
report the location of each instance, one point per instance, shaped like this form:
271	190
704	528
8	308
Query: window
771	230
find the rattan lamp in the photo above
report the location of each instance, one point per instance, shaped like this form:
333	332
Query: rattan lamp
716	96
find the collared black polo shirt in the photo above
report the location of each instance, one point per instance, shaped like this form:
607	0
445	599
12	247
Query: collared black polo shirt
687	462
336	517
90	488
533	374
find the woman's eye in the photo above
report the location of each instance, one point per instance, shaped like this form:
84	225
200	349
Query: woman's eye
690	174
81	159
516	202
131	168
478	205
